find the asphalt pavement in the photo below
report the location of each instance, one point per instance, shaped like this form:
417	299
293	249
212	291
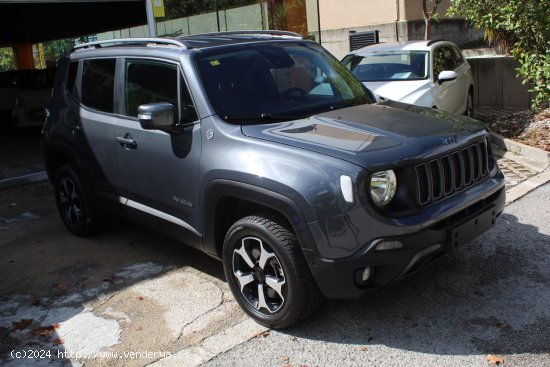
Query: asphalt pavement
131	297
491	299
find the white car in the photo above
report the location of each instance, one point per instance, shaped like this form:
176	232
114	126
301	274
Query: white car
431	74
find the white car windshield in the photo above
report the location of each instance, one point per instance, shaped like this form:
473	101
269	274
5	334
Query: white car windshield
388	65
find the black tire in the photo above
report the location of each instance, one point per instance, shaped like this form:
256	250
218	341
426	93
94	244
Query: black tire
284	268
73	202
469	104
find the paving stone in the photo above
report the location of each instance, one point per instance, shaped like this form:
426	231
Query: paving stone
514	172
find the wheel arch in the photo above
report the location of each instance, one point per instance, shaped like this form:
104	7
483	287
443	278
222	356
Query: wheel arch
56	156
227	201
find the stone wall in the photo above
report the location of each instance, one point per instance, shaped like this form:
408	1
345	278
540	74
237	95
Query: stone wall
496	84
455	30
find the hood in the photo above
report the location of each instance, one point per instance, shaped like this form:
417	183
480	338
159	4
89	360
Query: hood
375	136
399	90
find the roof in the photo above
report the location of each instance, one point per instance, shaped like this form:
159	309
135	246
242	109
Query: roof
235	37
199	41
422	45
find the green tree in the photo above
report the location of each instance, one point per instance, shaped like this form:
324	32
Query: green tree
519	27
429	15
54	50
7	59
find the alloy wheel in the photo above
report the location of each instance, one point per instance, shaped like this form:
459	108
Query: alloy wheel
259	274
70	201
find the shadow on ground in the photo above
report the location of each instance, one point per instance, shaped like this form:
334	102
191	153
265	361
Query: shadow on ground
493	296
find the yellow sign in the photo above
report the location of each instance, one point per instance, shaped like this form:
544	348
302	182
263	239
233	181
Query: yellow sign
158	8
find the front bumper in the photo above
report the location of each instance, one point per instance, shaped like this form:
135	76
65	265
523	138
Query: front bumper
341	278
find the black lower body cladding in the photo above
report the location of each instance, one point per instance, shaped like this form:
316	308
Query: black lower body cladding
344	277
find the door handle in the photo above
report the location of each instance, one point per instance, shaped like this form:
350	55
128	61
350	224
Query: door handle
127	143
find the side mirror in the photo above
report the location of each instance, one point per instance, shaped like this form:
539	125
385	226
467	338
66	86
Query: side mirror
156	116
446	76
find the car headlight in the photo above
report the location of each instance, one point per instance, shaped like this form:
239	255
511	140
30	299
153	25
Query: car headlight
383	185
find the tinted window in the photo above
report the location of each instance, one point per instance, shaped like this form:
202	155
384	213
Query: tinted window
155	81
149	82
98	84
71	78
278	81
188	112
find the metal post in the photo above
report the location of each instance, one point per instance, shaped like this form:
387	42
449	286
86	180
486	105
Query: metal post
150	18
319	20
217	14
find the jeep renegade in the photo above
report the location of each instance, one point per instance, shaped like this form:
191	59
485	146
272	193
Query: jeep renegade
261	149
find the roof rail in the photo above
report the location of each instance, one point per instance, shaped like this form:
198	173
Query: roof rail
158	41
248	32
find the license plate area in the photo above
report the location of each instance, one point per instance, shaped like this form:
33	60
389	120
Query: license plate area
472	228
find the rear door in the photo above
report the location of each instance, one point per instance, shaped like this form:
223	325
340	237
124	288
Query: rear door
158	171
92	124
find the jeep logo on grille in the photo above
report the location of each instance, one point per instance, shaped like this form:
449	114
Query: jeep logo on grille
448	140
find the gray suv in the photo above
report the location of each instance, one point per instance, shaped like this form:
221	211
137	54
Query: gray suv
261	149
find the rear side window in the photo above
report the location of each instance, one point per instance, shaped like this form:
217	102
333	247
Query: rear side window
98	78
71	78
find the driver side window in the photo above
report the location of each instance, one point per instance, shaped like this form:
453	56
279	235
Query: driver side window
444	59
150	81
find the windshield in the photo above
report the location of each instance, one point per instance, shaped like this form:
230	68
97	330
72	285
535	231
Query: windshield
277	81
388	66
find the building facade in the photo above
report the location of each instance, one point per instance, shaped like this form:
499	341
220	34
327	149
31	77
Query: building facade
396	20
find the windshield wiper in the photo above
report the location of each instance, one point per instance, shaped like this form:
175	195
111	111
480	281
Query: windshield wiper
262	117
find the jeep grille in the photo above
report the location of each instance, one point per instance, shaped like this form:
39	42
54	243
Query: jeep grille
450	173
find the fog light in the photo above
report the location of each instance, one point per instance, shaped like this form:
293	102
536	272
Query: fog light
388	245
367	272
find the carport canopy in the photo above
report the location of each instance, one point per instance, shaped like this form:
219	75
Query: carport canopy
34	21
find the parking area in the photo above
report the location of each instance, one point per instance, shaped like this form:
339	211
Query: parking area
19	151
124	289
131	297
94	301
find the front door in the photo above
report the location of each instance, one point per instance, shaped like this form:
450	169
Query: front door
447	94
157	170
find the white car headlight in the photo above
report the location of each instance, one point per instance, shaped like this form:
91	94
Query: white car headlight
383	185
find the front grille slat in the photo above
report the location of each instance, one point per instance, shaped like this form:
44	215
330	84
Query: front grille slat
458	168
450	173
436	178
467	158
484	158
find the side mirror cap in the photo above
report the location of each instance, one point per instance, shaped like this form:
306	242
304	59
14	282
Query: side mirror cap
446	76
156	116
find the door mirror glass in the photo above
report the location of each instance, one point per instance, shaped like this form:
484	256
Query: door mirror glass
156	116
446	76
